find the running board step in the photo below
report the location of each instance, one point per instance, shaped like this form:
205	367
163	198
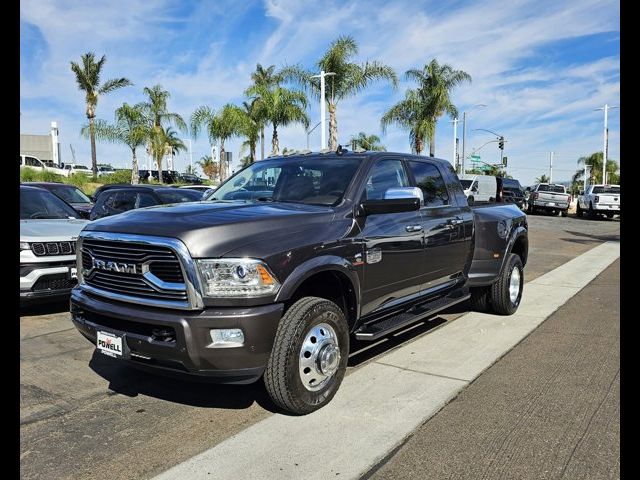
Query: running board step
375	330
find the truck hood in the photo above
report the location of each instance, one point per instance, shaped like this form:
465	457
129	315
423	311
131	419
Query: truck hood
55	230
211	229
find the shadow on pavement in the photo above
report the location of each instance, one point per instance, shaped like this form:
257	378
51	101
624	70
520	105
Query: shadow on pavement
129	381
42	307
587	237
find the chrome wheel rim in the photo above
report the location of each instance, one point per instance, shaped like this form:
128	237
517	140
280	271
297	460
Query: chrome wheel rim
319	357
514	285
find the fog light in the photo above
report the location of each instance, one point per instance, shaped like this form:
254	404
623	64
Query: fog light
226	338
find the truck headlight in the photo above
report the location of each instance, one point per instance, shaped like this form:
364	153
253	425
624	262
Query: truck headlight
236	277
25	246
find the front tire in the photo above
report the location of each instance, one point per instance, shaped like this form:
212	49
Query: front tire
309	356
506	292
578	210
592	212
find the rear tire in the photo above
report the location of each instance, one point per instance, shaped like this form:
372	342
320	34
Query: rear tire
592	212
480	299
506	292
609	214
296	340
563	213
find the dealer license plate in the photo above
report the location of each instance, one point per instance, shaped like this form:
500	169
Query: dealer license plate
109	344
73	272
552	204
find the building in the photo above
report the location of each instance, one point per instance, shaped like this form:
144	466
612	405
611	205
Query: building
43	147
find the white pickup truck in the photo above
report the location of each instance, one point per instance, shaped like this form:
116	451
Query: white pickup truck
34	163
599	199
549	197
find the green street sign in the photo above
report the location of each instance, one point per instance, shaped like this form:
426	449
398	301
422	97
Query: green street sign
475	158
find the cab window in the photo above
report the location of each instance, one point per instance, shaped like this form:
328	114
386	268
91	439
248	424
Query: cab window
384	175
430	181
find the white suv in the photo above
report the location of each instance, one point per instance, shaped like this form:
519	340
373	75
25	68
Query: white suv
48	232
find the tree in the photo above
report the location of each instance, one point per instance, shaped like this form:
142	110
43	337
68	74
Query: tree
350	78
264	78
594	164
220	127
158	117
542	179
410	114
172	143
367	142
281	107
435	83
129	128
249	122
210	168
87	74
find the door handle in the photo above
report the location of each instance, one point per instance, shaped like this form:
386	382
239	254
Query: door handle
455	221
413	228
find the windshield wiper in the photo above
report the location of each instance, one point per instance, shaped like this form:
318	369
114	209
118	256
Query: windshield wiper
265	199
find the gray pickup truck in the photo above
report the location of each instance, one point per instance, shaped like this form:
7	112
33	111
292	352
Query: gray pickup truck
549	197
287	262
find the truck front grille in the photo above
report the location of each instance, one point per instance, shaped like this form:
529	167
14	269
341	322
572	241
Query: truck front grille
134	269
41	249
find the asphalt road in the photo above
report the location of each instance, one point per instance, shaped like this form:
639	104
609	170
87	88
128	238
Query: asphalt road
549	409
81	412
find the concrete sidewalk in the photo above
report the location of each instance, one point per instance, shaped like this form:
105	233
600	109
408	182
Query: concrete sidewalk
549	409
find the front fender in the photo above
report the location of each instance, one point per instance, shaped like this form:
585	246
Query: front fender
316	265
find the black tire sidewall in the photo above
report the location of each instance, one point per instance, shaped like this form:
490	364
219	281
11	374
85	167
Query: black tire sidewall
333	316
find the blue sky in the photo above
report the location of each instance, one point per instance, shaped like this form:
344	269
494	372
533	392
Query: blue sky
541	67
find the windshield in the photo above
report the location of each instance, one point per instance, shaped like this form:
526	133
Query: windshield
80	167
179	195
71	195
511	184
466	184
615	190
551	188
311	181
36	203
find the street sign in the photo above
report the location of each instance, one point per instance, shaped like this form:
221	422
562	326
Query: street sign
475	158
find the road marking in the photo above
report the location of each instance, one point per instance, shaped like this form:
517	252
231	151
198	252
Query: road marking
380	404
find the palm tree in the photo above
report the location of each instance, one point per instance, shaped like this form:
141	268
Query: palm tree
250	126
350	78
129	128
220	127
281	107
88	79
410	114
368	142
542	179
268	78
435	83
172	143
594	161
209	167
157	115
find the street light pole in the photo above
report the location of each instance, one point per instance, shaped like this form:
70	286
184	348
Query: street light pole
464	133
550	167
323	106
454	159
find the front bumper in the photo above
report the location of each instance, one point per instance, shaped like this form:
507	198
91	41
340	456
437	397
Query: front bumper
46	281
187	352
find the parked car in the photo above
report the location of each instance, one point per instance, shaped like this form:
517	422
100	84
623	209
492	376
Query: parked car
344	245
479	188
118	200
74	168
599	199
105	170
48	232
512	192
34	163
549	198
190	178
71	194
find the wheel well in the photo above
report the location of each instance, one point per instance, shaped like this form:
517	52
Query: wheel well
520	249
332	285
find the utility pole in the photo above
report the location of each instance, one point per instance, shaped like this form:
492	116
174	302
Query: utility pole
605	148
464	134
550	167
323	107
454	159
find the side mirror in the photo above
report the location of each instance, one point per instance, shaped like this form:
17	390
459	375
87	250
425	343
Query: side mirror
475	189
404	192
528	189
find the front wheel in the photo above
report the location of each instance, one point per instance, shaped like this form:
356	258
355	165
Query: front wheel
578	210
506	292
309	356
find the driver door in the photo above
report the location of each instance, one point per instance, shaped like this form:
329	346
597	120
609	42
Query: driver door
393	254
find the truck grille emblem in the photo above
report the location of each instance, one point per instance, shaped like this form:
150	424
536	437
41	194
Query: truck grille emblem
110	266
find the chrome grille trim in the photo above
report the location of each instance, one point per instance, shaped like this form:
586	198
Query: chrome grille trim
41	249
157	293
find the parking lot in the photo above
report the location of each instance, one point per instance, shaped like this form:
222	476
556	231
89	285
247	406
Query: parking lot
81	412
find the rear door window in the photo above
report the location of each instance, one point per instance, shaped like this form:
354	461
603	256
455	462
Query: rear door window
430	181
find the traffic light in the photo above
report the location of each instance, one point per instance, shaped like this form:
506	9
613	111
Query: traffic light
501	143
